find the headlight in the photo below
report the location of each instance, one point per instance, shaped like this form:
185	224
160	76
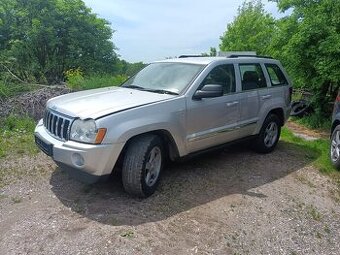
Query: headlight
85	131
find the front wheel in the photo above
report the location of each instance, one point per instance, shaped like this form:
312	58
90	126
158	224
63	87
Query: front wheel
335	147
142	166
269	134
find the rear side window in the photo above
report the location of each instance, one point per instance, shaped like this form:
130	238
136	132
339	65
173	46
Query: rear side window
277	77
252	76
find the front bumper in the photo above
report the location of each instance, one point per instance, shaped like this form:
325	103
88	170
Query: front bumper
86	162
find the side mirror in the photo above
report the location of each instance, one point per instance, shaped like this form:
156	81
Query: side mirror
208	91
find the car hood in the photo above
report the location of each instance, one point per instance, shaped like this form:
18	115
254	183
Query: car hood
99	102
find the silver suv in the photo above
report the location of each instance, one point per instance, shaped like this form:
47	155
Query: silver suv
170	109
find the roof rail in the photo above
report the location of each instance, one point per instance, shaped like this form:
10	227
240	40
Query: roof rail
253	56
190	56
239	53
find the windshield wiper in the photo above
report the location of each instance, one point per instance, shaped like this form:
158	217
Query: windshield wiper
162	91
133	87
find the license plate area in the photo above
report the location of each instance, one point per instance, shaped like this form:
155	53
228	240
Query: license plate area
47	148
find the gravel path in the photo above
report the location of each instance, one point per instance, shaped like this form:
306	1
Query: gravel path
229	202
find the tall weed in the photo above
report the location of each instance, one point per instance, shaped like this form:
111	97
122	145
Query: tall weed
13	89
77	81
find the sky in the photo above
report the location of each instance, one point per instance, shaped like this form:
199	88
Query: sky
152	30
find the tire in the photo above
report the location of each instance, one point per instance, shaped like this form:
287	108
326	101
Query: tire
142	165
269	134
334	150
299	108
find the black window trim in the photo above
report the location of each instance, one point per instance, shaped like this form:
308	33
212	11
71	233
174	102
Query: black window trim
263	72
235	79
283	75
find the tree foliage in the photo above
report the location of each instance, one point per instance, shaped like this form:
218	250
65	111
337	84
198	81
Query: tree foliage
311	46
307	41
130	69
40	39
250	29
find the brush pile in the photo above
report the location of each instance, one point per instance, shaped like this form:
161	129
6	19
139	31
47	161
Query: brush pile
30	103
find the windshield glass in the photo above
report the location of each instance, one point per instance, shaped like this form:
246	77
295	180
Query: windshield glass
171	77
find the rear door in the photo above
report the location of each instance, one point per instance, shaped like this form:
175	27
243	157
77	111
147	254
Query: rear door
254	87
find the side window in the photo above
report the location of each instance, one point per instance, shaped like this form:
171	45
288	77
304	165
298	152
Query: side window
252	76
223	75
277	77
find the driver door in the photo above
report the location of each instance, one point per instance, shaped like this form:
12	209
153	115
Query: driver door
214	121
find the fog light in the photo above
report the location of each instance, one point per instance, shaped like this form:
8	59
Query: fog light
77	160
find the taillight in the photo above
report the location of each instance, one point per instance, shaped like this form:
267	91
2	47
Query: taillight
336	103
337	99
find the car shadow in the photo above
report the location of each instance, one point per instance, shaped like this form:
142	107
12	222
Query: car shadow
184	185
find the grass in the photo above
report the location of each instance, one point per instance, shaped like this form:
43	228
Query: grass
16	200
16	136
317	150
314	121
13	89
314	213
128	234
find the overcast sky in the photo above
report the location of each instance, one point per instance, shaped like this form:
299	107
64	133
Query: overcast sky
155	29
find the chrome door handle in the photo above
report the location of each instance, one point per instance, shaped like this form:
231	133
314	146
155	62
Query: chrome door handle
266	97
232	103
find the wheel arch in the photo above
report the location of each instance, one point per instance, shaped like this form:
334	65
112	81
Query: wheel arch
334	125
279	113
169	143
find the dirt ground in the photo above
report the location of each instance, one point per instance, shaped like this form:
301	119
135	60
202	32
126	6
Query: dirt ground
233	201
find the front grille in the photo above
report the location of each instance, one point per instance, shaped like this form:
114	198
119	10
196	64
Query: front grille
57	125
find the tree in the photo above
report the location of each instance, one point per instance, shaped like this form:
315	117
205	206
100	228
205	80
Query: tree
129	69
250	31
40	39
309	42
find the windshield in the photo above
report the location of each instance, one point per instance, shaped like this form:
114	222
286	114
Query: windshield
164	77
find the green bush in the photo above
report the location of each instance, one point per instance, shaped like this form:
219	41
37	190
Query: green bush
77	81
100	81
74	78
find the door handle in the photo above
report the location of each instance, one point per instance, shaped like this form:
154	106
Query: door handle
266	97
232	103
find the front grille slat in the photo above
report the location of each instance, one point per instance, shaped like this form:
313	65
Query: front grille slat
54	126
61	129
66	128
57	125
48	120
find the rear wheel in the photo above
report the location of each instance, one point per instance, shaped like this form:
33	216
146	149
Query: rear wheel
335	147
142	166
269	134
